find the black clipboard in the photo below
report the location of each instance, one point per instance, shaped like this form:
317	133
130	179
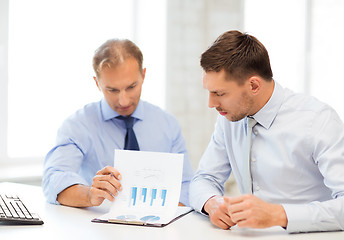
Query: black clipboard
181	211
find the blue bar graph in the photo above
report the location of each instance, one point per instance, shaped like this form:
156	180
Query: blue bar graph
163	196
153	197
133	195
144	194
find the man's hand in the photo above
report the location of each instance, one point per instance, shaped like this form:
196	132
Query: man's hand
105	185
217	208
251	211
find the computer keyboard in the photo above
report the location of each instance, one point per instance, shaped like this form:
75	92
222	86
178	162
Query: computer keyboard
14	211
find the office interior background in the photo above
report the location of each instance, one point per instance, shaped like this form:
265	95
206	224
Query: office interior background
46	49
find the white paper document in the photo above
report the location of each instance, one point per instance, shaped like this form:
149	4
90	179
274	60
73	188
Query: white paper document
151	184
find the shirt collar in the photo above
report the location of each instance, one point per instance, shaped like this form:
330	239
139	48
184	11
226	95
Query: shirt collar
108	113
267	114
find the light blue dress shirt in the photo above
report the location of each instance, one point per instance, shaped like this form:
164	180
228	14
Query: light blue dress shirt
297	160
86	141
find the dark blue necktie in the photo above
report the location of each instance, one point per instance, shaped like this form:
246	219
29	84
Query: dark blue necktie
130	138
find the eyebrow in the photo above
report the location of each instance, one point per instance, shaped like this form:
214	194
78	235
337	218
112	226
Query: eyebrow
131	85
217	91
111	88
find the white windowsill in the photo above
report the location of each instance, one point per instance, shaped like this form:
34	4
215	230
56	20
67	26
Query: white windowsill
21	173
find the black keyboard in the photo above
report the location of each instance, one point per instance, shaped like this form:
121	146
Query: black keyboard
14	211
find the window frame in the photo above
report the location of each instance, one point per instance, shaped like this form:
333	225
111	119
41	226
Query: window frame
4	29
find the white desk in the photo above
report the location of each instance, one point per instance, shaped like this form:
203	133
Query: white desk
62	222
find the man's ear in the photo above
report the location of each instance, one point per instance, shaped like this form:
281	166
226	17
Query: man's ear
255	84
143	74
97	83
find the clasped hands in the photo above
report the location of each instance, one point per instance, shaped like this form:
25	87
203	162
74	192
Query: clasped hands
244	211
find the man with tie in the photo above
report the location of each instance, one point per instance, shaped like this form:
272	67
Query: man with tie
78	170
286	150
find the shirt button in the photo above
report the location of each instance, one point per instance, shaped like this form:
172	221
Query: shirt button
254	159
255	132
257	188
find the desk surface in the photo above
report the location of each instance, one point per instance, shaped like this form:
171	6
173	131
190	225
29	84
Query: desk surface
62	222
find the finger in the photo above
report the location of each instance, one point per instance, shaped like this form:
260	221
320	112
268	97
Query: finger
106	186
221	224
115	182
97	196
108	170
110	178
235	208
107	182
221	218
239	216
229	222
223	212
226	200
235	200
223	221
104	171
239	204
246	223
116	174
226	219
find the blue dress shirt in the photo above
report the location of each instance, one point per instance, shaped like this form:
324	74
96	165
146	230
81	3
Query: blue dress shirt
297	160
86	141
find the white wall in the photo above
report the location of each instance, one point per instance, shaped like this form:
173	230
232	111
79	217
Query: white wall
192	26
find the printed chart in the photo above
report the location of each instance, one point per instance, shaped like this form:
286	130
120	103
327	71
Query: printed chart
143	196
151	184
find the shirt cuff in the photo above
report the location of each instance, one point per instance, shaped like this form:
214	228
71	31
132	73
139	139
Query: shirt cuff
312	217
200	193
296	217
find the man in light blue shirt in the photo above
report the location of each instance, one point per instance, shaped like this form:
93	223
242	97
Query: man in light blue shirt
296	156
78	170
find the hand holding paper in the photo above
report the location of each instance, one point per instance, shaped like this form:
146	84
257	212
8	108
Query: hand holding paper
105	185
151	183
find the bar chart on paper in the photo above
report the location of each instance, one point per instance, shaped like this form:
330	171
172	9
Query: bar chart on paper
150	197
151	184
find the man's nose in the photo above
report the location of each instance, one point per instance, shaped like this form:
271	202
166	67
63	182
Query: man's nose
213	103
123	99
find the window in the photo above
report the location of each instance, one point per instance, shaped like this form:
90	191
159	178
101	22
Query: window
304	40
280	26
327	51
50	50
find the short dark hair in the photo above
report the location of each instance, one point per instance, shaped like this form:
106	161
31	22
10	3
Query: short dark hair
113	52
239	54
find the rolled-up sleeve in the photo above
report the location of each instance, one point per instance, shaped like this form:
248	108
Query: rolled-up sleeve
57	175
62	163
